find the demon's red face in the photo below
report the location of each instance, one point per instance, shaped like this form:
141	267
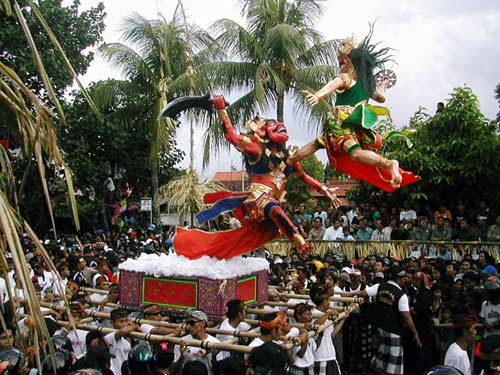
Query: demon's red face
276	131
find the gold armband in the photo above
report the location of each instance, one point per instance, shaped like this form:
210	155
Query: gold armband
324	188
222	115
243	143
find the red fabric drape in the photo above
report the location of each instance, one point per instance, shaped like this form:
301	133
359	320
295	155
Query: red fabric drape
194	243
378	177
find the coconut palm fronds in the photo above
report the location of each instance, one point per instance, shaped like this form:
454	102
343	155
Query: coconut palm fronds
185	193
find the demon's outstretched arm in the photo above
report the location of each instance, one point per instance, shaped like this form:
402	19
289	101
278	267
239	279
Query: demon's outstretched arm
242	142
318	186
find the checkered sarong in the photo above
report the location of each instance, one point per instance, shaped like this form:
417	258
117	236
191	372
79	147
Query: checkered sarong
326	368
366	341
389	356
302	370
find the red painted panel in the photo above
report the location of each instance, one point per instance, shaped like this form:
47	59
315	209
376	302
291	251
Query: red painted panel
246	289
170	292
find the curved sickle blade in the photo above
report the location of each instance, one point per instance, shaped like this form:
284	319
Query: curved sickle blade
178	105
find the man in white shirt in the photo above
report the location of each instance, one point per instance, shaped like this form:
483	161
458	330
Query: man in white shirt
351	214
153	312
465	331
391	309
407	213
490	309
235	321
270	328
333	233
304	353
378	233
325	356
197	321
320	213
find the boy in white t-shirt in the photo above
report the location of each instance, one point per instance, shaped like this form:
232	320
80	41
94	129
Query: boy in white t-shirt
119	346
465	332
303	362
325	356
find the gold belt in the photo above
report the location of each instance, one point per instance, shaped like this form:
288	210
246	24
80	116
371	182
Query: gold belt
256	190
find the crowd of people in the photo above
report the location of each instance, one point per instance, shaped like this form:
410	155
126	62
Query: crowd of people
415	313
366	221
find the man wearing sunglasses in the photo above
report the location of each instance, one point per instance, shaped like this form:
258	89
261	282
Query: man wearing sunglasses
153	312
196	324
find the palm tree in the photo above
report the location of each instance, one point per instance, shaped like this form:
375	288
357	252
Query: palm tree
185	193
161	66
278	53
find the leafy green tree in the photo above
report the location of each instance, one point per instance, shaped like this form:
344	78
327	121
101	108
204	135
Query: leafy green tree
457	154
278	53
35	119
161	65
297	191
75	31
91	149
34	71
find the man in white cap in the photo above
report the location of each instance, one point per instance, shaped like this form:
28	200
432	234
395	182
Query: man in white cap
196	324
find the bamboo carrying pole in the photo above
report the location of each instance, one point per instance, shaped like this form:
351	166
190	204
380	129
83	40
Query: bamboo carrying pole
204	344
93	290
176	340
292	305
334	299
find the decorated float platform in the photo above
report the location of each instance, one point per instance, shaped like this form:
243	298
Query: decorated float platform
206	283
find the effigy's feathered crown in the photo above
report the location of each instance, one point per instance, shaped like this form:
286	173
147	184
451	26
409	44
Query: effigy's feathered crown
347	45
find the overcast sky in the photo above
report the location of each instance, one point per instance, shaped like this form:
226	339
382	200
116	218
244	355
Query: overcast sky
440	44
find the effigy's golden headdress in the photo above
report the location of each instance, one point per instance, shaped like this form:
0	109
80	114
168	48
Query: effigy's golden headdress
347	45
255	124
258	129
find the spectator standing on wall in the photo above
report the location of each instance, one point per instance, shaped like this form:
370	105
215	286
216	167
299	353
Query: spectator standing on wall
407	213
364	232
320	213
317	231
378	233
